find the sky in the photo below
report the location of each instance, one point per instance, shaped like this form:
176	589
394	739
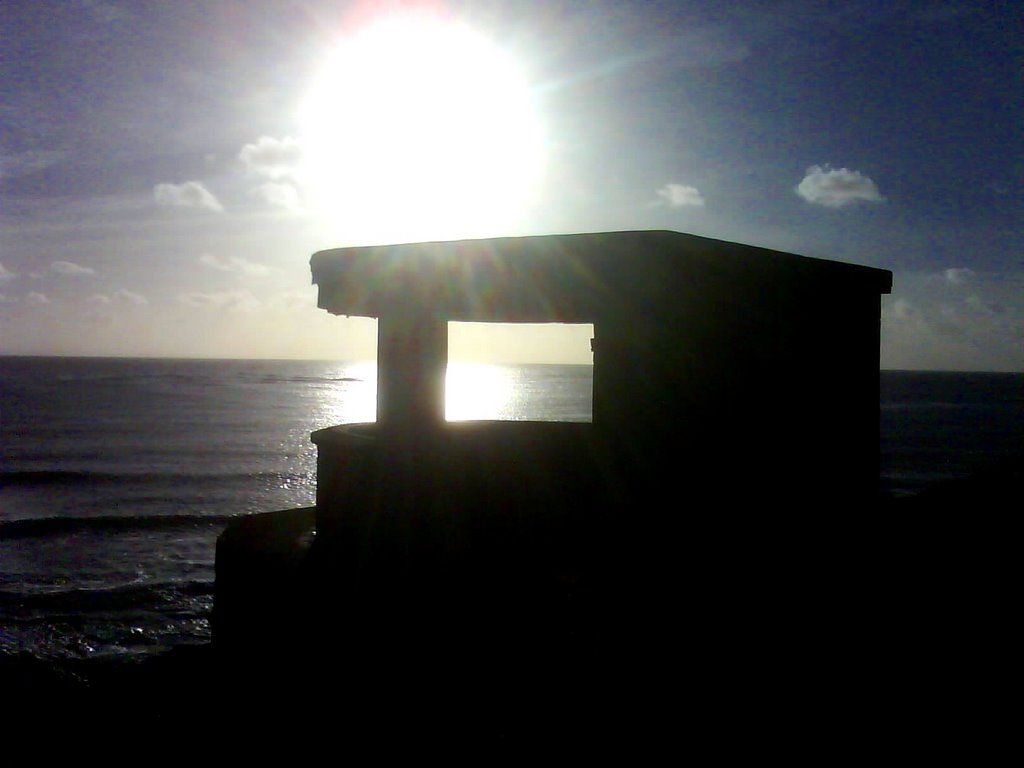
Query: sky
168	168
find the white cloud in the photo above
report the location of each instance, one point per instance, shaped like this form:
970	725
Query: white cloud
99	318
958	276
230	300
234	264
680	195
6	274
279	195
70	268
982	306
191	194
130	297
901	309
37	298
120	296
939	326
837	187
215	262
273	158
297	299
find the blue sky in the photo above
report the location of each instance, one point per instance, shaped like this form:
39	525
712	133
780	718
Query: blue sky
163	180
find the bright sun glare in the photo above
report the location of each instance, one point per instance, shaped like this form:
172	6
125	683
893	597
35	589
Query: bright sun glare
419	128
478	391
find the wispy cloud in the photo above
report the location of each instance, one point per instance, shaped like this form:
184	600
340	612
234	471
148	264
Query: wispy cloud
6	274
985	307
680	195
296	299
122	296
273	158
106	13
36	299
975	324
238	301
837	187
23	163
130	297
958	276
191	194
901	309
279	195
70	268
234	264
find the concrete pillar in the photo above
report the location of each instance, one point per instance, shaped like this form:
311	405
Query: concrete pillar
412	357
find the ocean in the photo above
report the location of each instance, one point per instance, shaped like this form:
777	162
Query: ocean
117	475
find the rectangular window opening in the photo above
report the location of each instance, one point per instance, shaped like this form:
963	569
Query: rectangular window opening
519	372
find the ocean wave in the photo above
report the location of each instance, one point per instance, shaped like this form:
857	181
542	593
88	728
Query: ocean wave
51	477
80	600
272	379
49	526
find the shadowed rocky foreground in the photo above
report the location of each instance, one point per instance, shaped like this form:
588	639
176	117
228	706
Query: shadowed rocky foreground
890	626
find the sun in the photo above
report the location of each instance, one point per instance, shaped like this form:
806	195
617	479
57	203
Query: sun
420	128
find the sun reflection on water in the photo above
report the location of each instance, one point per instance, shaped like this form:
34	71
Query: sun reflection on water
472	391
350	396
479	391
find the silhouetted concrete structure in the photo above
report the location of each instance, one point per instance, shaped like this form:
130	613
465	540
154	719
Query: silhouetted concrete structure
735	399
724	360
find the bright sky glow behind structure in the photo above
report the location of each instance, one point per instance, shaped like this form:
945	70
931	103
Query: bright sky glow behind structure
167	169
409	120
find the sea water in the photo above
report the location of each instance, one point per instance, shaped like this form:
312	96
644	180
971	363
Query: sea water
117	475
